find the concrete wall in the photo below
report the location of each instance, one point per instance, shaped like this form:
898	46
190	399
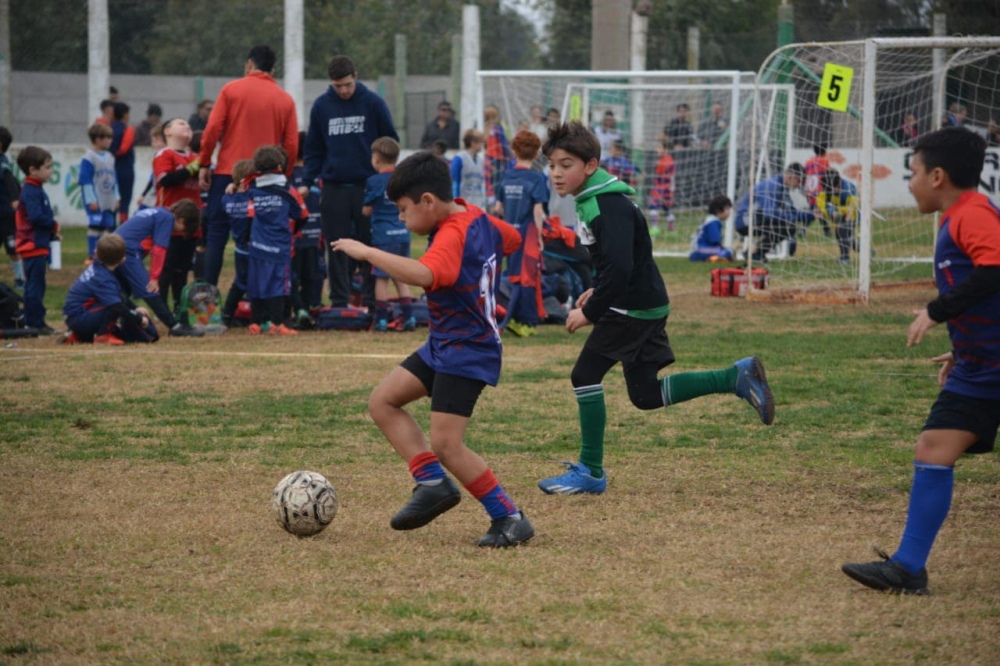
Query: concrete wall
51	108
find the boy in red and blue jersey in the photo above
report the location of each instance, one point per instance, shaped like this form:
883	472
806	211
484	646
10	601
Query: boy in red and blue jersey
35	229
95	309
148	232
945	168
522	199
277	212
462	353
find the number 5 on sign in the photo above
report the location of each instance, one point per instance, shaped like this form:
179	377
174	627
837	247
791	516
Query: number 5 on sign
836	87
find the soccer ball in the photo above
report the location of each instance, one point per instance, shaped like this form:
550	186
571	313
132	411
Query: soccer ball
304	503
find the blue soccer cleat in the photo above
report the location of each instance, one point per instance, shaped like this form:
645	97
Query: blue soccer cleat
751	385
577	480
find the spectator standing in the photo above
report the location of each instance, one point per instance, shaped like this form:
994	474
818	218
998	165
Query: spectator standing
498	153
712	129
123	147
343	124
144	130
36	229
199	119
538	123
10	193
250	112
607	133
467	170
175	169
107	112
98	186
907	133
679	130
443	128
993	134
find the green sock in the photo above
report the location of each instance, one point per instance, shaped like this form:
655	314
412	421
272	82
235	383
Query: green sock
688	385
593	417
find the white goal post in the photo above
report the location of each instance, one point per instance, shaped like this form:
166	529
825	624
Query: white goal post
883	81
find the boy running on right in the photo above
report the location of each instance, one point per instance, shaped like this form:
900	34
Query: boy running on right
628	307
945	171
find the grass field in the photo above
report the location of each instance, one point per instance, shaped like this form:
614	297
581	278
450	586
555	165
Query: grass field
135	486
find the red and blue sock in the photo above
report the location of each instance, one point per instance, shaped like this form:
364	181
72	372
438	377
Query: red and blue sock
492	496
426	469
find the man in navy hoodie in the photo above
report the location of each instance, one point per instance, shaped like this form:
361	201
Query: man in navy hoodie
343	124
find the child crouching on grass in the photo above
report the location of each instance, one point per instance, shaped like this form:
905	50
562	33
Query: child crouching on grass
95	309
462	353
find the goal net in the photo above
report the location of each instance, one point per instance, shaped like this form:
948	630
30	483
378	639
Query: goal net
864	102
709	155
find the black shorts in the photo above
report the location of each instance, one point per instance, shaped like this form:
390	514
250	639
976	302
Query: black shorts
953	411
631	341
450	394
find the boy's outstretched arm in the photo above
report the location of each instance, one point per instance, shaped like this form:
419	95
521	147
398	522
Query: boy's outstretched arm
403	269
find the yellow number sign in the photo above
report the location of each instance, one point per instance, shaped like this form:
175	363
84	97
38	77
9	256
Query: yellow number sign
836	87
575	107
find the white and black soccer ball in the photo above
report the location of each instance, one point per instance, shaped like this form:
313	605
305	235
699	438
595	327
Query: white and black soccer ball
304	503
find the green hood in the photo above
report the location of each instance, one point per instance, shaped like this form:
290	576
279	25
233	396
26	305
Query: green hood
601	182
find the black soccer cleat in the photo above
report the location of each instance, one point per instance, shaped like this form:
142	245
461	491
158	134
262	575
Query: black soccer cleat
887	576
426	504
507	532
182	331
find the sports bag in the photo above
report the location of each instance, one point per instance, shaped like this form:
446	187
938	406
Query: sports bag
343	319
200	307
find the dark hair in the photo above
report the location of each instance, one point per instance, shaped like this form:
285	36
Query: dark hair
154	110
203	103
551	109
444	104
32	156
112	90
98	130
819	149
110	249
440	147
387	149
526	145
189	212
830	180
263	57
719	203
268	159
341	66
956	151
575	138
121	110
472	135
106	104
609	112
683	105
196	141
241	170
420	173
796	169
6	138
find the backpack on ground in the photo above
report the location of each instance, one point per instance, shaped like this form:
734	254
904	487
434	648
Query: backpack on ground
200	307
343	319
11	312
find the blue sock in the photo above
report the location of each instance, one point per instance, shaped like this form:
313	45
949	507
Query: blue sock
930	500
426	469
92	237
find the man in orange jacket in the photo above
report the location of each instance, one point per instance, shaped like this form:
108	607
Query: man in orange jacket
249	113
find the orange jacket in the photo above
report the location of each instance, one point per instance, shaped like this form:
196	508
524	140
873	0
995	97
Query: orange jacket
250	112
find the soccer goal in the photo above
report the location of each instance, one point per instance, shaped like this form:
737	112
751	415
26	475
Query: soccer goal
866	102
715	164
643	104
